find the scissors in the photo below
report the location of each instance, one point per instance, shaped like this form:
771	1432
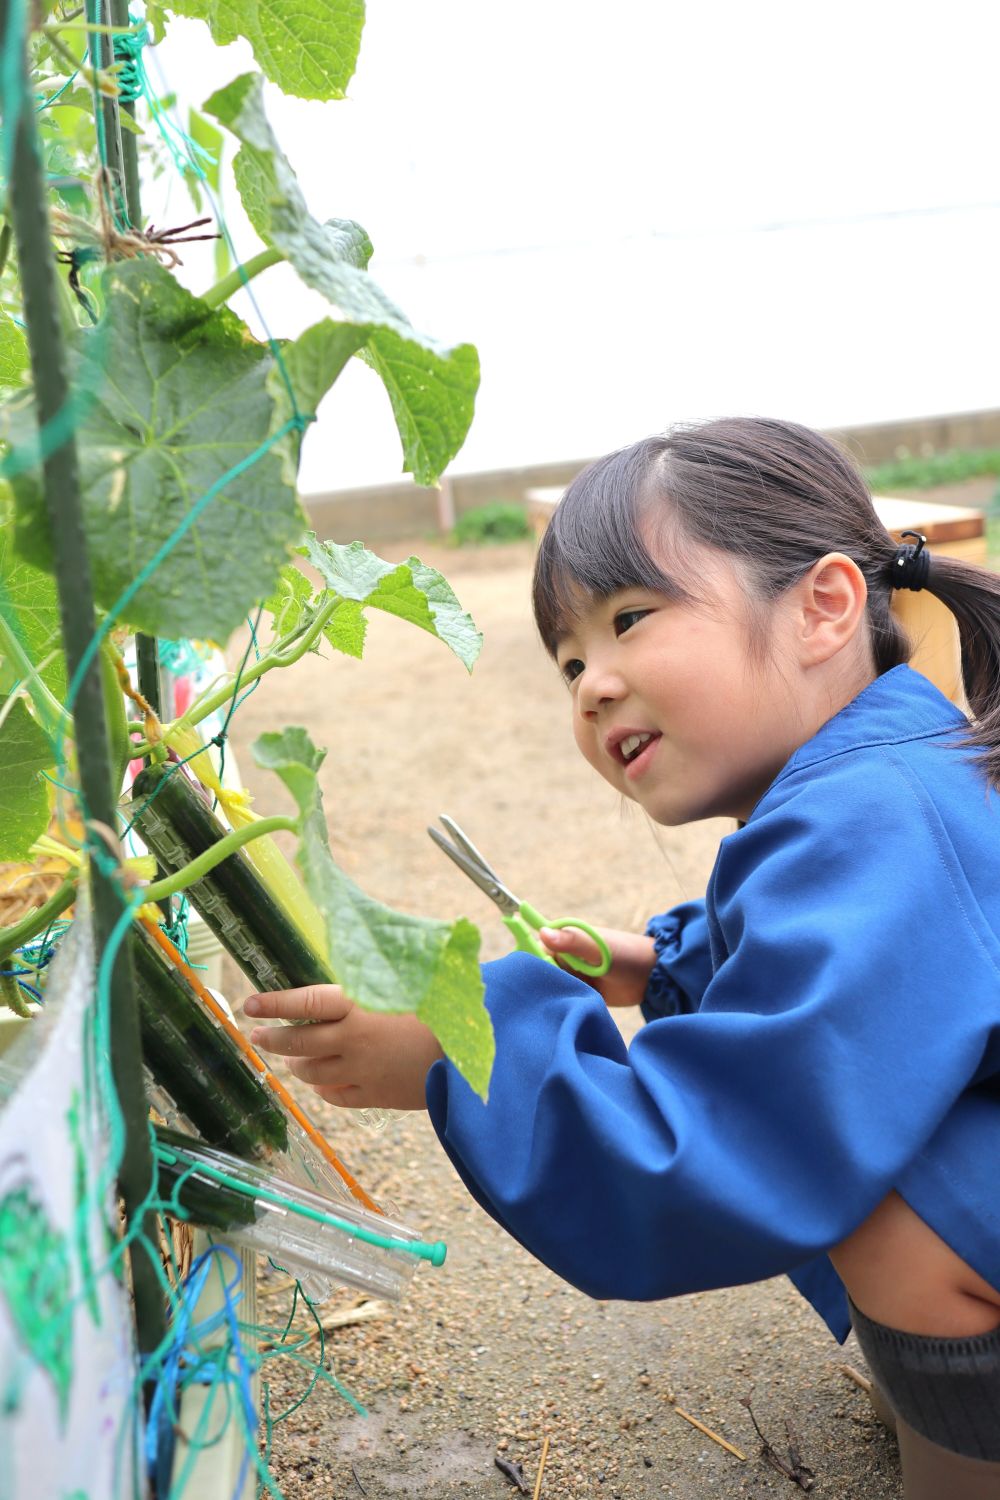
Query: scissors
522	918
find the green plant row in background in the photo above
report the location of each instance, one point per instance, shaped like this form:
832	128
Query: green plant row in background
924	471
499	521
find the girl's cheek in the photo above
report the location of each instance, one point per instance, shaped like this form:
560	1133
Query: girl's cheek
587	743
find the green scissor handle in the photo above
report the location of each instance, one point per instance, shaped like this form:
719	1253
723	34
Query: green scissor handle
525	926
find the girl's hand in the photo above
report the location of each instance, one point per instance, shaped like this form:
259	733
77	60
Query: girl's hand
352	1057
632	960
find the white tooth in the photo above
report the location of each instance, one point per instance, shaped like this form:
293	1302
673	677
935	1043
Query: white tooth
631	744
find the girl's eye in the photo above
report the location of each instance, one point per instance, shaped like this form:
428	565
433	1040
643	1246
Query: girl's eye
627	618
572	668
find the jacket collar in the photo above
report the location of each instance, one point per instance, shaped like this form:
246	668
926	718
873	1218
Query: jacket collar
900	705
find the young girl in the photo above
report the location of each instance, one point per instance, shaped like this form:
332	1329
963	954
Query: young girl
817	1090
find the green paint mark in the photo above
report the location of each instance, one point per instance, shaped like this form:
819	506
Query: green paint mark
35	1282
81	1218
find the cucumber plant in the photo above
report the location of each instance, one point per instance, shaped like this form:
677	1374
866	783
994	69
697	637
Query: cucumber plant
188	430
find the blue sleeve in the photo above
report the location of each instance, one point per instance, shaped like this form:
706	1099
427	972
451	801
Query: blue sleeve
683	961
854	999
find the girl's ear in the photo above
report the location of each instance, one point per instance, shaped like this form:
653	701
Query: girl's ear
831	607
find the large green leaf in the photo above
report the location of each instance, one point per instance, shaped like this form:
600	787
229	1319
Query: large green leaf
181	407
24	800
432	388
386	960
309	49
314	360
29	605
14	364
411	590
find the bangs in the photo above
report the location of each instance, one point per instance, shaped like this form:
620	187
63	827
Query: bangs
597	541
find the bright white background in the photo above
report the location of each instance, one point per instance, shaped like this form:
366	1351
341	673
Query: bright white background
652	211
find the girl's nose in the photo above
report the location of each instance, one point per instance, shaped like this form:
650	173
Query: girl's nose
598	686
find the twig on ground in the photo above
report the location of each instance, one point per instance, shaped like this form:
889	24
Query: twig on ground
357	1481
858	1378
541	1468
513	1473
801	1473
709	1433
793	1468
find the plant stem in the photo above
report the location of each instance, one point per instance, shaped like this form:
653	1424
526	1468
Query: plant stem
207	862
93	78
36	921
224	289
55	26
10	995
275	657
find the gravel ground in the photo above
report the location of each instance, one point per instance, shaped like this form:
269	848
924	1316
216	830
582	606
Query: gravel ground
491	1353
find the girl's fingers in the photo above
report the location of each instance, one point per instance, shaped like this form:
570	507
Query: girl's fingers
561	941
314	1002
320	1072
320	1040
346	1097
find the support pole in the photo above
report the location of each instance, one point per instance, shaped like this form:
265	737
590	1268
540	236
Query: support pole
129	150
146	654
72	570
109	134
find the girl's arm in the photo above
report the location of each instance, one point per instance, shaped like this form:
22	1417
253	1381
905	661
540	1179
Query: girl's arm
853	1000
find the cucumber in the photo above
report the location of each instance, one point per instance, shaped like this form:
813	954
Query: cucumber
198	1065
175	824
209	1204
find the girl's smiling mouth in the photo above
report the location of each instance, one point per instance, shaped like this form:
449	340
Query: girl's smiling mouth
638	762
632	748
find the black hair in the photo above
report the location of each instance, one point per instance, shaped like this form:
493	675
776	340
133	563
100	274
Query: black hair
775	496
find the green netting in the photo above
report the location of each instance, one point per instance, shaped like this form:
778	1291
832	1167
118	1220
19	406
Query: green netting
219	1358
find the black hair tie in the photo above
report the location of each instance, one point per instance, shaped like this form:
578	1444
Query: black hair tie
911	564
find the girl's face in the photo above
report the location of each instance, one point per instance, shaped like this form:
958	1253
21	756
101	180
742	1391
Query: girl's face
668	705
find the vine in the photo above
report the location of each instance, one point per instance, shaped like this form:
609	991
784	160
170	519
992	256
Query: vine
186	428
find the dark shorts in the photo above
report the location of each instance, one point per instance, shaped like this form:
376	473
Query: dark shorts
947	1390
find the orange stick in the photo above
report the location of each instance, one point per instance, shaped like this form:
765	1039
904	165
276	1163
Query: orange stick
257	1063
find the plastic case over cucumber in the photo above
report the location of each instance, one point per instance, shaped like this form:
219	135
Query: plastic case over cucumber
176	825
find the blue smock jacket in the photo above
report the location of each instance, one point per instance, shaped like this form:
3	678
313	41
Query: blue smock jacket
835	1033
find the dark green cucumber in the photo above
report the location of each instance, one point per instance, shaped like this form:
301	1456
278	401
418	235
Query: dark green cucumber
176	826
209	1204
199	1066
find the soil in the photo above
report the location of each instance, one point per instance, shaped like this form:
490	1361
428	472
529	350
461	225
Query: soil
490	1354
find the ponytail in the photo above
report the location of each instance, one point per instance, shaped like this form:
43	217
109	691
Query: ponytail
972	593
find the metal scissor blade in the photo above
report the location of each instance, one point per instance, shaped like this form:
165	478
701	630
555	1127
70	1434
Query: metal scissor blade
469	860
467	846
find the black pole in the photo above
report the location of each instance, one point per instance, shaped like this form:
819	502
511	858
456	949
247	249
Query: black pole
27	206
129	150
109	131
147	657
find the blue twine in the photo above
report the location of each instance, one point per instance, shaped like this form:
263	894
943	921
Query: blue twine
206	1368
